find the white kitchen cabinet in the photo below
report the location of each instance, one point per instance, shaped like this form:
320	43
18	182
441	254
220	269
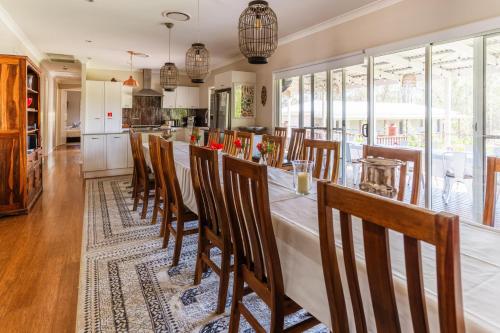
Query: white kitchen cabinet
130	157
182	100
194	97
113	106
169	99
127	97
94	101
116	155
94	152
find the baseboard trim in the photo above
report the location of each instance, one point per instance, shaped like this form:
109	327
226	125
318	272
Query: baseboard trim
107	173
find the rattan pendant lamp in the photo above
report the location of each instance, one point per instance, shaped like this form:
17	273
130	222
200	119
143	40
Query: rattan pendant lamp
131	82
198	58
258	32
169	75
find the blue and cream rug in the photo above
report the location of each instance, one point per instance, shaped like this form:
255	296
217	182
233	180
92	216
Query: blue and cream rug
126	281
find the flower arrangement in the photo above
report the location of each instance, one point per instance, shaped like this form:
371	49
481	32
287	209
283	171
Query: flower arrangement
216	146
239	148
264	149
195	137
238	144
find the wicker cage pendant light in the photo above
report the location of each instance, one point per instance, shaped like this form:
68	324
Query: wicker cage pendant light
258	32
198	58
169	75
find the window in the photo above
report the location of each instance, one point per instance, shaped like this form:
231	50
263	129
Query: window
290	102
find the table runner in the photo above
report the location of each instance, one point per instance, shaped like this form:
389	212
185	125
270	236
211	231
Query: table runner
296	231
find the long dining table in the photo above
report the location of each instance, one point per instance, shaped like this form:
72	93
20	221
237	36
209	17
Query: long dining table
295	226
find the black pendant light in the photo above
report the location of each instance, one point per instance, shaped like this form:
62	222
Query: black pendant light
258	32
169	75
198	58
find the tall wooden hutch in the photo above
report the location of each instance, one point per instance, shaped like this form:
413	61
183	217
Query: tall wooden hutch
20	135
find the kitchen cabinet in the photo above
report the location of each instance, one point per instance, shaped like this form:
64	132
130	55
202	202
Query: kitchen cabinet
186	98
94	101
116	151
169	99
112	106
127	97
227	79
103	111
182	100
194	98
94	152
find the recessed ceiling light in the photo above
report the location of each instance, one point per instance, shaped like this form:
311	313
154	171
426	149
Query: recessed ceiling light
65	68
176	16
88	41
90	0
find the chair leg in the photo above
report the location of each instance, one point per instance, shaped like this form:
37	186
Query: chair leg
166	229
136	199
178	241
234	321
155	206
163	219
224	280
134	183
198	271
145	202
277	318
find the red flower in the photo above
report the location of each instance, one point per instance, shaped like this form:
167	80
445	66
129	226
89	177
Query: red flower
193	138
259	146
237	143
216	146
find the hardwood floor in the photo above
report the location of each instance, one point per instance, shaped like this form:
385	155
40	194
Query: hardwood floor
40	253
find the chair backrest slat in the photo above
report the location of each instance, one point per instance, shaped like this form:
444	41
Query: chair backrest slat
417	225
280	131
319	150
405	155
174	193
229	137
493	166
276	156
154	154
138	155
296	144
213	136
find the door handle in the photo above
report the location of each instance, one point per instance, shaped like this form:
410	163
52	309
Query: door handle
364	130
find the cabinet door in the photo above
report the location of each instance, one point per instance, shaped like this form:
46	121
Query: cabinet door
130	157
182	97
169	99
127	97
94	110
94	152
194	98
116	147
113	106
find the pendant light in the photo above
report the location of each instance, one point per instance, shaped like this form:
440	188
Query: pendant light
131	82
258	32
169	75
198	58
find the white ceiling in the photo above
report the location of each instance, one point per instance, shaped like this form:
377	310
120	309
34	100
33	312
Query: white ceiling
115	26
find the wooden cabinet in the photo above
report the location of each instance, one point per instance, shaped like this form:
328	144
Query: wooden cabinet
103	107
182	98
169	99
94	152
116	151
20	135
127	97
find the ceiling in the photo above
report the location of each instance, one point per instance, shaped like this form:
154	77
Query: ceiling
115	26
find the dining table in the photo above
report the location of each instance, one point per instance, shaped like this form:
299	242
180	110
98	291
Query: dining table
295	226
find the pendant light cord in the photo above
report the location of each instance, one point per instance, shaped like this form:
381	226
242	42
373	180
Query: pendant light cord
131	56
169	41
198	17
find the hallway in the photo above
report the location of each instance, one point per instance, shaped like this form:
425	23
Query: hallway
40	252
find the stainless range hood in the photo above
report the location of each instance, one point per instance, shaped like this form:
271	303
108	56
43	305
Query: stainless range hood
146	84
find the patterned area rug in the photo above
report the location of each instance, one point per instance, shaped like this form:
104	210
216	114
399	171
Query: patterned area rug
127	283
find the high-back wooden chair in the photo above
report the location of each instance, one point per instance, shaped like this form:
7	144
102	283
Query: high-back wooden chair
275	158
229	137
493	166
441	230
176	203
213	136
326	158
256	259
405	155
295	147
212	217
131	131
280	131
246	139
160	185
144	180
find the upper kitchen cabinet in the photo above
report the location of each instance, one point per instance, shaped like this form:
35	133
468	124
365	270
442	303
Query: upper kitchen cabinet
227	79
103	112
182	98
193	97
169	99
127	97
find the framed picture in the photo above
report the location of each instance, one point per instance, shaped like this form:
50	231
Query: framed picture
244	100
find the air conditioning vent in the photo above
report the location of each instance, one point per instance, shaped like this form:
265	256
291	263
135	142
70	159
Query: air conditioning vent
61	58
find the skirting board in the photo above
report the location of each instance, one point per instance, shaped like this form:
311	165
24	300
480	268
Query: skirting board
107	173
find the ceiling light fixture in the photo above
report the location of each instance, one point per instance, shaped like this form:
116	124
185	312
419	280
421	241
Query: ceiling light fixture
169	75
176	16
198	58
131	82
258	32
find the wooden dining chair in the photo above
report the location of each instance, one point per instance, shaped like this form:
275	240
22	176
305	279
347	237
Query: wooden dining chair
213	136
405	155
295	147
176	210
145	181
161	198
275	158
246	139
493	166
256	257
280	131
229	137
326	158
134	171
212	217
440	230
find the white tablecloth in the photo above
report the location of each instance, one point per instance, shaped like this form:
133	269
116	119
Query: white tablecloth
296	231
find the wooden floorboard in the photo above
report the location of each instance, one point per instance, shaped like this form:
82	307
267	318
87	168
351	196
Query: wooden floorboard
40	253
